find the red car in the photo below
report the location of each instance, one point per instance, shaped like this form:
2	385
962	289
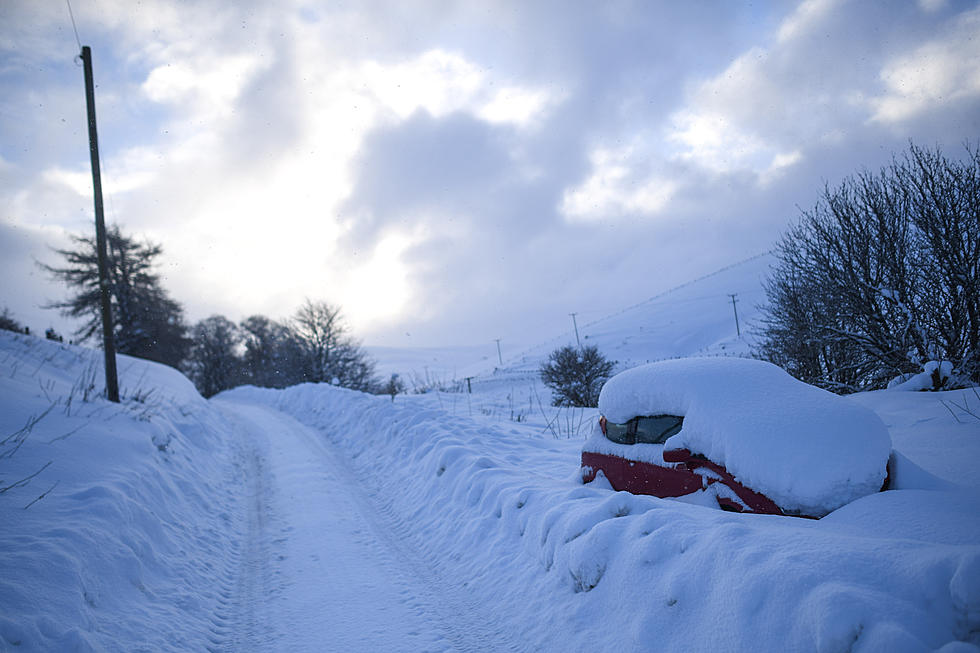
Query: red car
680	474
740	433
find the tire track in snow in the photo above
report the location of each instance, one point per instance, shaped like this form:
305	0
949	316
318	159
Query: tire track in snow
344	551
252	628
463	619
241	622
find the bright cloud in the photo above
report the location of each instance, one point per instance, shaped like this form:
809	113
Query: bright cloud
441	82
806	15
944	70
614	188
378	290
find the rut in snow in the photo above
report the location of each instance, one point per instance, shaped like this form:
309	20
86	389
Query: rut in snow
322	565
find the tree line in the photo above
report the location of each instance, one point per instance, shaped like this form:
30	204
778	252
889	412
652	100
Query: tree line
314	345
878	279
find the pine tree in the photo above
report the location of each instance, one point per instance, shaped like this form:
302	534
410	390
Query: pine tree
213	364
147	322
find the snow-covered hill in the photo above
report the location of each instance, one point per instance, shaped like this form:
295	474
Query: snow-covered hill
695	318
314	518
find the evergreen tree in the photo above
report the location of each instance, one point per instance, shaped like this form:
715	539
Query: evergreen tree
274	353
147	322
213	364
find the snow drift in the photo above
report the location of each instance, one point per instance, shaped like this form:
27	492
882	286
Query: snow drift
133	545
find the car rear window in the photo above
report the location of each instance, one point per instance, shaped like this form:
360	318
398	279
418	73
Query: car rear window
654	429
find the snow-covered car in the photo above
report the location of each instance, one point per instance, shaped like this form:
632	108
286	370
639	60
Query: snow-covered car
742	433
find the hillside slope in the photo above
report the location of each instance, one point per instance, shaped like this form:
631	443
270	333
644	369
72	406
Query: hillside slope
695	318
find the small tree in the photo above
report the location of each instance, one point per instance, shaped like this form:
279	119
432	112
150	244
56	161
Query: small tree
148	323
274	353
575	376
394	386
213	364
8	323
330	354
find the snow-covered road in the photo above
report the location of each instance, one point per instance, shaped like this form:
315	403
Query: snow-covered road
321	564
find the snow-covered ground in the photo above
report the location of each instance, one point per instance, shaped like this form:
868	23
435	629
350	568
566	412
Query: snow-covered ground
314	518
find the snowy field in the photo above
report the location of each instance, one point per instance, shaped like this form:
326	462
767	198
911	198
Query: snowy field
318	519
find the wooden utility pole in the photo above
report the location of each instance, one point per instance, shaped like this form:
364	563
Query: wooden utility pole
738	331
575	324
108	344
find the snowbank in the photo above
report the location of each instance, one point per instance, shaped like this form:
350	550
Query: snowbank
129	547
563	566
807	449
934	376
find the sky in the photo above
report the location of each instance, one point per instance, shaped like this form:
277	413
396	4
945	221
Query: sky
456	173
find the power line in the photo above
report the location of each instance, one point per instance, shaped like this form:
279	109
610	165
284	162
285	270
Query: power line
78	40
73	26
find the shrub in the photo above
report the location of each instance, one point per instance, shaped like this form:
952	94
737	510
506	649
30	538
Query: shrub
881	276
575	375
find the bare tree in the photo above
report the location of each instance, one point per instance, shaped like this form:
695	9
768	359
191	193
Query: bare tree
880	276
331	355
945	199
322	331
575	375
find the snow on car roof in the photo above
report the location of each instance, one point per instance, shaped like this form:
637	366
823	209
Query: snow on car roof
807	449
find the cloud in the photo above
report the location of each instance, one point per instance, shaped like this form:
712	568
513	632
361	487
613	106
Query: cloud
807	14
458	169
618	185
212	85
944	70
